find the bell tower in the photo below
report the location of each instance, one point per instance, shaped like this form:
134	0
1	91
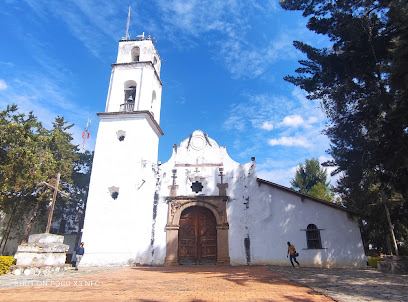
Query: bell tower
118	221
135	83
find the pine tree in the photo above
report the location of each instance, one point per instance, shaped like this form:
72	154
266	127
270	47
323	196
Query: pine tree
311	179
361	80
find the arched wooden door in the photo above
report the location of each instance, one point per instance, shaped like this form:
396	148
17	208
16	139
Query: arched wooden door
197	236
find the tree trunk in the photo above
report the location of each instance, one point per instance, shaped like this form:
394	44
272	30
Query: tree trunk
31	222
8	230
388	241
391	229
6	235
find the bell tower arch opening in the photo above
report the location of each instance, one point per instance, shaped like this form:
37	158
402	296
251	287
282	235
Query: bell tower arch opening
129	90
135	54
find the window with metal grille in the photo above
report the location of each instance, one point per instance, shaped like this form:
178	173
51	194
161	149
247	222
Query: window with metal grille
313	237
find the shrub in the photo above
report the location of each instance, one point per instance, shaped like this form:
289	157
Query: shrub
372	261
5	263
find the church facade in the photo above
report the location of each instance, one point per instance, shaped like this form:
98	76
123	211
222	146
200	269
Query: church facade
200	207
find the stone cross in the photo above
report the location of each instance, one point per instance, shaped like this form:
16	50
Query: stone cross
222	175
174	171
222	186
196	169
54	197
173	188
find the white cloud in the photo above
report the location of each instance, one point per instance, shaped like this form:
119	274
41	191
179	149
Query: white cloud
289	141
296	121
3	85
312	120
267	126
292	121
256	110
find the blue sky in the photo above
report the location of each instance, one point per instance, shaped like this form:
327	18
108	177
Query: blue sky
222	72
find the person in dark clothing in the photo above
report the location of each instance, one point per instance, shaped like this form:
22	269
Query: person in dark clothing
292	254
79	253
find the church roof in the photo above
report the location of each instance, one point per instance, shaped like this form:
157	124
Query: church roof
324	202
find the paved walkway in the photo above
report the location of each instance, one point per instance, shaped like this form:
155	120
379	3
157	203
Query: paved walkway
207	283
181	283
350	285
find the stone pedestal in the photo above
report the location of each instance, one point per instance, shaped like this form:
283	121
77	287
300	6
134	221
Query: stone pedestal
42	249
393	264
222	248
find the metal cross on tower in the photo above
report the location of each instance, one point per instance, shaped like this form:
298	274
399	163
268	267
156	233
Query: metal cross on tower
54	197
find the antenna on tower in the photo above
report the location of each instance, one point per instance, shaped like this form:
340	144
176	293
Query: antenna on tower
85	135
127	37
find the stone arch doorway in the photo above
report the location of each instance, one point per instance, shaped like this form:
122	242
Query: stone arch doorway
208	206
197	240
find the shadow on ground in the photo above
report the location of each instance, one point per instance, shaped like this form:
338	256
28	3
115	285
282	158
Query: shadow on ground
350	284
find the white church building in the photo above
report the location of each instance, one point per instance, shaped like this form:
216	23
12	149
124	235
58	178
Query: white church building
201	206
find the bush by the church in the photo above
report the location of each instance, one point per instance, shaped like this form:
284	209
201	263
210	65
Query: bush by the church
373	261
5	263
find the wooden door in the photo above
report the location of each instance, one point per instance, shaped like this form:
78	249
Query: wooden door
197	236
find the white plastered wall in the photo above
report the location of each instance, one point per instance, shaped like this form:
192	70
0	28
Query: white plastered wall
118	232
146	83
263	216
147	52
276	216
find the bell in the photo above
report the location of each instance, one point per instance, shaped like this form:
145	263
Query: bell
130	99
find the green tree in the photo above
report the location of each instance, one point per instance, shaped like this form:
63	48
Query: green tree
23	164
361	79
70	215
21	153
29	155
322	191
311	179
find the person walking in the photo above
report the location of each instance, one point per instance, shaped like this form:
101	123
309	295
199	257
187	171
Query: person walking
79	253
292	253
